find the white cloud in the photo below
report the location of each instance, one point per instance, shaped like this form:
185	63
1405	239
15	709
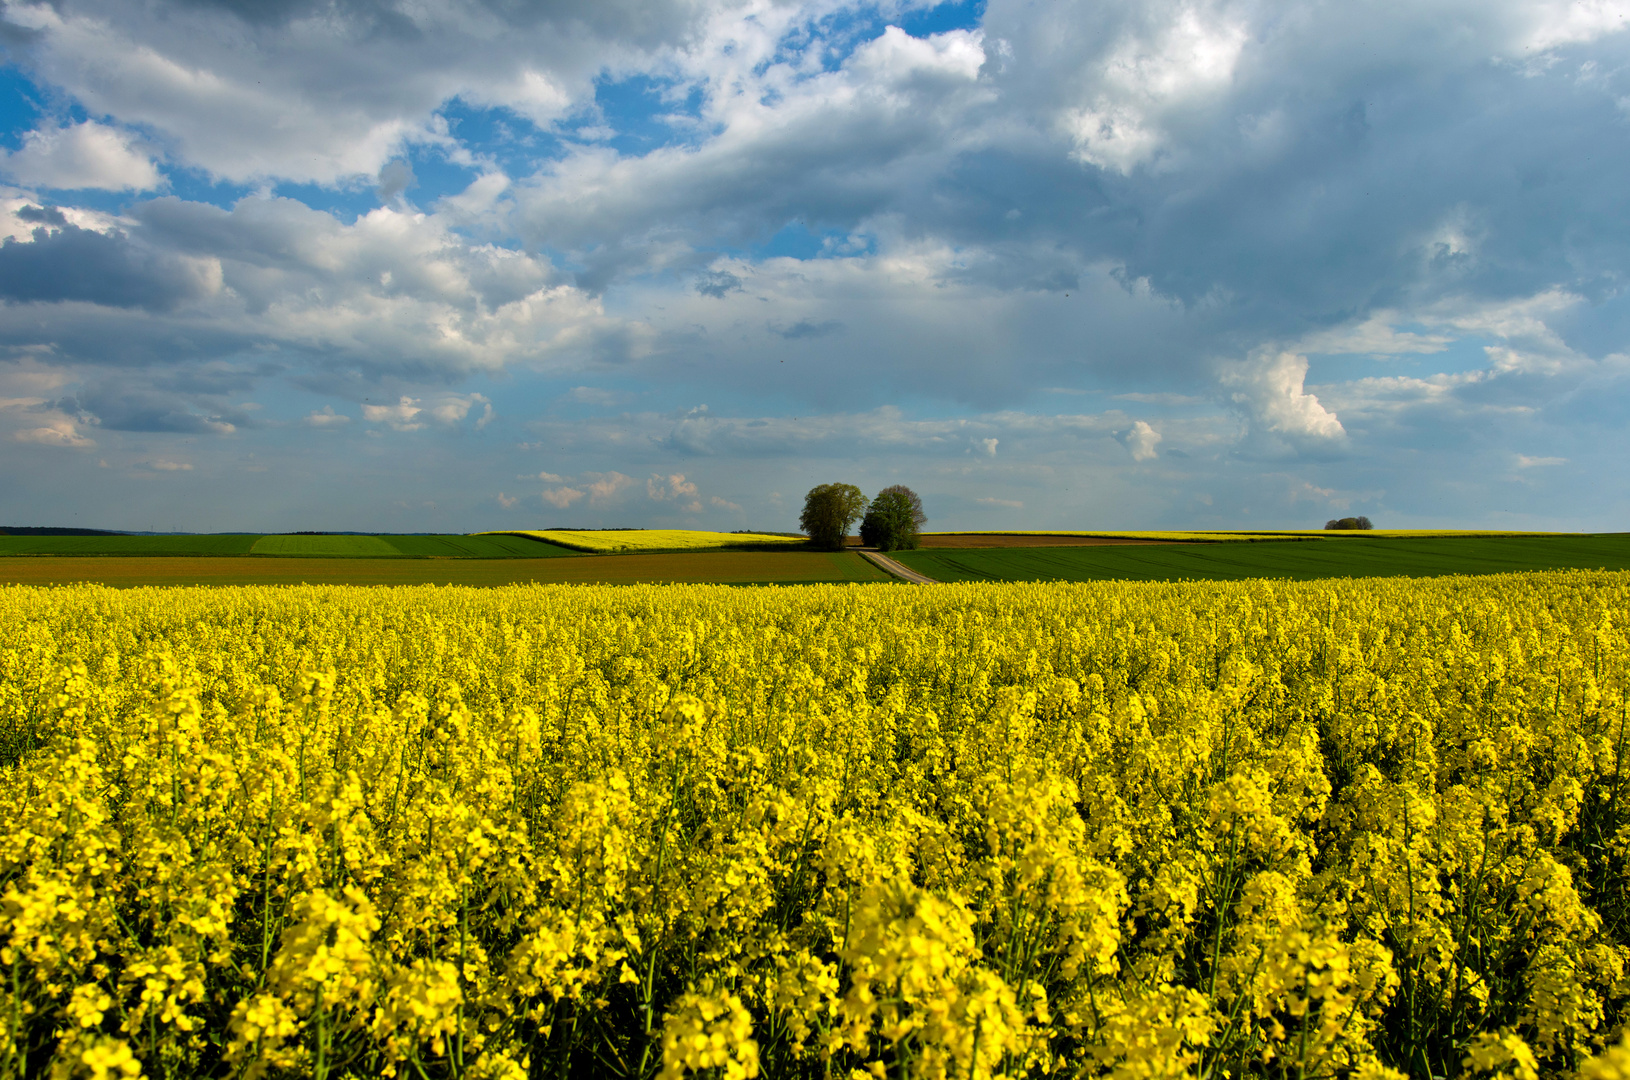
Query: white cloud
1376	335
1181	54
326	417
1269	388
86	155
664	488
1554	23
723	504
1003	504
393	291
1142	441
453	408
410	414
60	431
561	498
987	446
163	465
1526	462
402	416
603	486
508	502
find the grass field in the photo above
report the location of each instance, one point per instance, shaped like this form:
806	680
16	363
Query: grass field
224	544
724	568
342	546
448	546
1423	556
483	546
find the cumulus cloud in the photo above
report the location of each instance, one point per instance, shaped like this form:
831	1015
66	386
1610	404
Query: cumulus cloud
673	486
324	94
403	416
1269	389
129	404
814	216
604	486
1153	73
411	414
1142	441
86	155
508	502
454	407
326	417
561	498
68	263
59	431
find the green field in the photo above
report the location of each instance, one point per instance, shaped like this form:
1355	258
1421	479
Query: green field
214	544
1374	557
485	546
307	546
371	547
721	568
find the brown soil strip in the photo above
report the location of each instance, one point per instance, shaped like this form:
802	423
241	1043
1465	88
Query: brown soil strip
728	567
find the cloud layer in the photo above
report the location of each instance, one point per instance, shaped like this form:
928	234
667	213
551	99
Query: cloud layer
1114	263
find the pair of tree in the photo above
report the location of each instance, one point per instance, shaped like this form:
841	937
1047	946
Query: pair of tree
1349	523
891	521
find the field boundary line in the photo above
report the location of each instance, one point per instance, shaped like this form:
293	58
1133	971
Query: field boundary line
899	570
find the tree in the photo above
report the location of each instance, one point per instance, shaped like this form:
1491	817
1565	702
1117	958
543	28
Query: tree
1349	523
829	510
895	520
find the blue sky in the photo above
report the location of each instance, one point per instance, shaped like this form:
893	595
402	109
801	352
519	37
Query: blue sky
369	264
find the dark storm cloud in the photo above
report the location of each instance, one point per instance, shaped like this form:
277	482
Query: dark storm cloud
70	263
123	405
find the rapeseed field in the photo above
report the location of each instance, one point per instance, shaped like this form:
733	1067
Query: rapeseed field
1344	828
612	541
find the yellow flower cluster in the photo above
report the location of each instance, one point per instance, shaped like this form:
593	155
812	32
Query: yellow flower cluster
612	541
1356	828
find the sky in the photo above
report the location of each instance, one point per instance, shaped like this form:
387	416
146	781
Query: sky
462	265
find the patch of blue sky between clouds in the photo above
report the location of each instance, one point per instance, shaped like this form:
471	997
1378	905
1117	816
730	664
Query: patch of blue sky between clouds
641	113
833	38
496	135
22	105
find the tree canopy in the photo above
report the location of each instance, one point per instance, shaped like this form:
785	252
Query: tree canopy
894	521
829	511
1349	523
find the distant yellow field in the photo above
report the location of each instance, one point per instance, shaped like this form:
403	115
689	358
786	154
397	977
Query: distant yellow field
614	540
